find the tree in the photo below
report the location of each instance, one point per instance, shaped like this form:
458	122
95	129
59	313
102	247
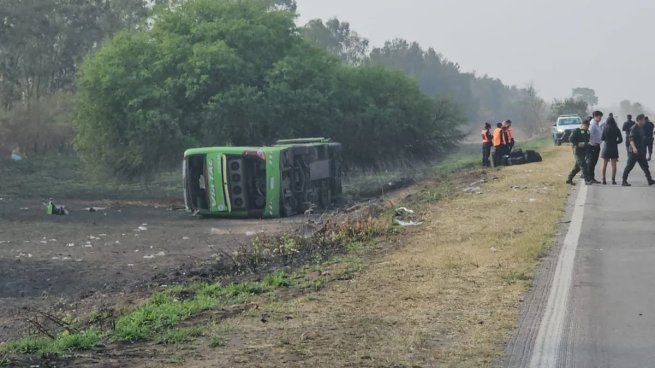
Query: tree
626	107
219	72
435	75
481	98
42	42
338	39
532	112
569	106
197	74
287	4
585	94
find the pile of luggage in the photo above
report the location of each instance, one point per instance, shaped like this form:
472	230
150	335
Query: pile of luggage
519	157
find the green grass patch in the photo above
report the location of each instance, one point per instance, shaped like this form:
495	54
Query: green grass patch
165	310
276	280
46	347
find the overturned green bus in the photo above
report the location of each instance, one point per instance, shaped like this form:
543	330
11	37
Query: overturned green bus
285	179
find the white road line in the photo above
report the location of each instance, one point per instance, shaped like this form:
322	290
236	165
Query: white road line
549	337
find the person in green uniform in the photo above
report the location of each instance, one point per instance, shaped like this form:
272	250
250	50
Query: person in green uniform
637	152
580	141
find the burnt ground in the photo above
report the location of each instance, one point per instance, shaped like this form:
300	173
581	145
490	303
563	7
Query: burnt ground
88	259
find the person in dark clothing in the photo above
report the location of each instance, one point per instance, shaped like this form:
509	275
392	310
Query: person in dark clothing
487	143
637	151
612	137
580	141
626	129
648	137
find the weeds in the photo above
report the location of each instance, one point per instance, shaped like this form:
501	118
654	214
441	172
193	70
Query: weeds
218	342
45	347
277	279
167	309
180	335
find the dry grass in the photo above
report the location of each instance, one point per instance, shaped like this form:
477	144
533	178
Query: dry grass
446	295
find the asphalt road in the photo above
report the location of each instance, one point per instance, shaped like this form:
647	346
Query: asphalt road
593	304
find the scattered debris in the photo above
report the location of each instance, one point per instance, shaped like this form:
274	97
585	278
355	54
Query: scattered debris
151	256
16	155
406	223
473	190
215	231
406	217
95	209
404	211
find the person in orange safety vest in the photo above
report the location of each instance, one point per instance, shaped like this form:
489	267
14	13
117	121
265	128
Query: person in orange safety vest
500	141
487	139
510	135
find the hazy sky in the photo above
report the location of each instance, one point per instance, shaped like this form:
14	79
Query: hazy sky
607	45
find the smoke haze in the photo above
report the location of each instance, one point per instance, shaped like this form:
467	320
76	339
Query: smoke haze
557	44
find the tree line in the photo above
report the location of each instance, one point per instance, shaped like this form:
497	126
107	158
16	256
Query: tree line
143	80
42	44
480	98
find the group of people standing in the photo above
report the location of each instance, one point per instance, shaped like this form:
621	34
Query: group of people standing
501	139
588	147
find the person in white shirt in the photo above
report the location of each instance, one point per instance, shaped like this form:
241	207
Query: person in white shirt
595	139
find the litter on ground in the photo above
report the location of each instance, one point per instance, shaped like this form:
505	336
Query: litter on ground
95	209
473	190
406	223
404	210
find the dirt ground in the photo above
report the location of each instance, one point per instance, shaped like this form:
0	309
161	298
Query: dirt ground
88	258
444	294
